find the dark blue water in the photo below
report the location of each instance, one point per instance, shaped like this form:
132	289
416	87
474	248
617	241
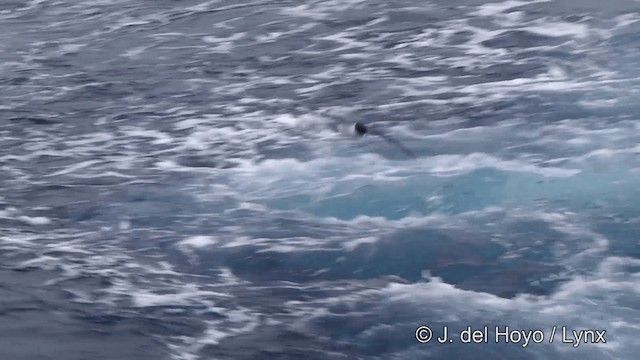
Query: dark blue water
179	179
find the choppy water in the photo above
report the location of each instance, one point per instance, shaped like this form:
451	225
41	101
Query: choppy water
177	184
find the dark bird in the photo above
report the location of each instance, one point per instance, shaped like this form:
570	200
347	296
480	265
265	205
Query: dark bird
361	129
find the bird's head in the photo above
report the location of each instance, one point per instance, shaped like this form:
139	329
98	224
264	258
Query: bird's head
360	128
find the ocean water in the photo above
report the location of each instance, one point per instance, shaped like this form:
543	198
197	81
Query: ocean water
178	180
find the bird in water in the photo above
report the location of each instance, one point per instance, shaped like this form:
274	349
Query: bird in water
361	129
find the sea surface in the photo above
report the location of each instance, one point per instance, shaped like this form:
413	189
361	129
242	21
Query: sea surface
179	179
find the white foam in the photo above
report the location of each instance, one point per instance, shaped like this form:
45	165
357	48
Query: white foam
495	8
38	220
124	225
238	321
18	240
607	153
559	29
8	213
345	41
43	261
136	52
625	20
71	48
457	164
199	241
601	295
190	123
353	244
142	298
215	40
160	137
213	335
323	9
286	119
223	44
75	167
600	103
90	139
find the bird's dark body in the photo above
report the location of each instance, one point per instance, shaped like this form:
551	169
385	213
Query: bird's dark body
361	129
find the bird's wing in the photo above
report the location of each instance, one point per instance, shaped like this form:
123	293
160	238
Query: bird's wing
396	143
